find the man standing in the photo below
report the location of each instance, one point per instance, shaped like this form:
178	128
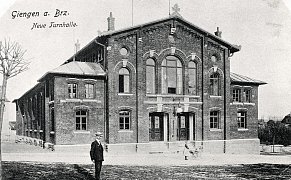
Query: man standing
96	154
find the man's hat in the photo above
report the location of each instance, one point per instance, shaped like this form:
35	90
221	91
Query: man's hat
98	134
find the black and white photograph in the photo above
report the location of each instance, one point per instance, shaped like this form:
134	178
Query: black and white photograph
145	89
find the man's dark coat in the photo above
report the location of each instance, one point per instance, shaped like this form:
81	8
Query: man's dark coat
96	151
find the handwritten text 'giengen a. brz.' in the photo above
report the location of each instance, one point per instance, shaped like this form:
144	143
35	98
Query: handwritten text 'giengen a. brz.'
39	25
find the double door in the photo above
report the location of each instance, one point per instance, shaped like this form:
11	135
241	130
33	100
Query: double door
183	126
156	127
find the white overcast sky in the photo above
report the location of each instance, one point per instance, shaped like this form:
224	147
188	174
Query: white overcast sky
261	27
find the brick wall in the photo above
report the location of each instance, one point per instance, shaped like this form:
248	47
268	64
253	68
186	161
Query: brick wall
65	109
157	38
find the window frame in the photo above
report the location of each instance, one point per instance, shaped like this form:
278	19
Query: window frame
119	81
179	75
214	119
153	78
236	95
80	116
241	117
71	90
213	82
248	99
122	125
195	68
87	94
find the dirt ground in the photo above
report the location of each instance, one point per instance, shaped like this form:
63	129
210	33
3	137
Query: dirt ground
23	161
62	171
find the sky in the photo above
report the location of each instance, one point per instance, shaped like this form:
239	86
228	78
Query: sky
261	27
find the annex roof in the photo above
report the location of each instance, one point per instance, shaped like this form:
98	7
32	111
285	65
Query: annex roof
77	68
236	78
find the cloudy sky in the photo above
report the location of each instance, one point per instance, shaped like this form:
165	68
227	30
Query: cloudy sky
261	27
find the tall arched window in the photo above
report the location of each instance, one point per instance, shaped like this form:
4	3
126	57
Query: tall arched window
151	76
215	84
172	80
192	69
124	80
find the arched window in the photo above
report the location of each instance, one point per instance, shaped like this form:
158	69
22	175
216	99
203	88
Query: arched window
151	76
124	80
215	84
192	69
172	80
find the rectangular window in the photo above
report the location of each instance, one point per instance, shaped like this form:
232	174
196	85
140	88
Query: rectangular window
81	120
123	83
215	85
172	80
150	79
52	113
242	120
164	80
124	120
89	91
236	95
72	90
247	93
157	122
214	120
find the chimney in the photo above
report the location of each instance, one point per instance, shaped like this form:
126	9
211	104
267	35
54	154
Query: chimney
218	33
77	46
111	20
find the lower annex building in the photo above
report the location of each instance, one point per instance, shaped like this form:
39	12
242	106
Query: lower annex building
157	84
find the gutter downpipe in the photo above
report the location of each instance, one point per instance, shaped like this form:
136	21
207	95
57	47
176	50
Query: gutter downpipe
202	90
136	76
105	91
224	104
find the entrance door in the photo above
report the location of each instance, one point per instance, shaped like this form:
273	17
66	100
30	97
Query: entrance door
183	126
156	127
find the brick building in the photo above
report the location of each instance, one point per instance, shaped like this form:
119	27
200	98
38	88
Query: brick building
157	84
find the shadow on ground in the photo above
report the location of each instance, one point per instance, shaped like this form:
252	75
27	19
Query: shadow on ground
61	171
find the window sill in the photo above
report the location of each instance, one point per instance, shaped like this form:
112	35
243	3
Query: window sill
90	100
125	131
242	129
236	103
251	104
80	100
70	100
215	130
125	94
81	132
172	95
241	103
218	97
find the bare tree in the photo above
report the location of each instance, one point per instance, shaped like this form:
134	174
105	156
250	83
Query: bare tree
12	63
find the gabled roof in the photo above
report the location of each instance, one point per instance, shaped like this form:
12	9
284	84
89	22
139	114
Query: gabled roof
232	47
236	78
77	68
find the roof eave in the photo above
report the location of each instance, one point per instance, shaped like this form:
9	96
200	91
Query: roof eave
248	83
73	74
